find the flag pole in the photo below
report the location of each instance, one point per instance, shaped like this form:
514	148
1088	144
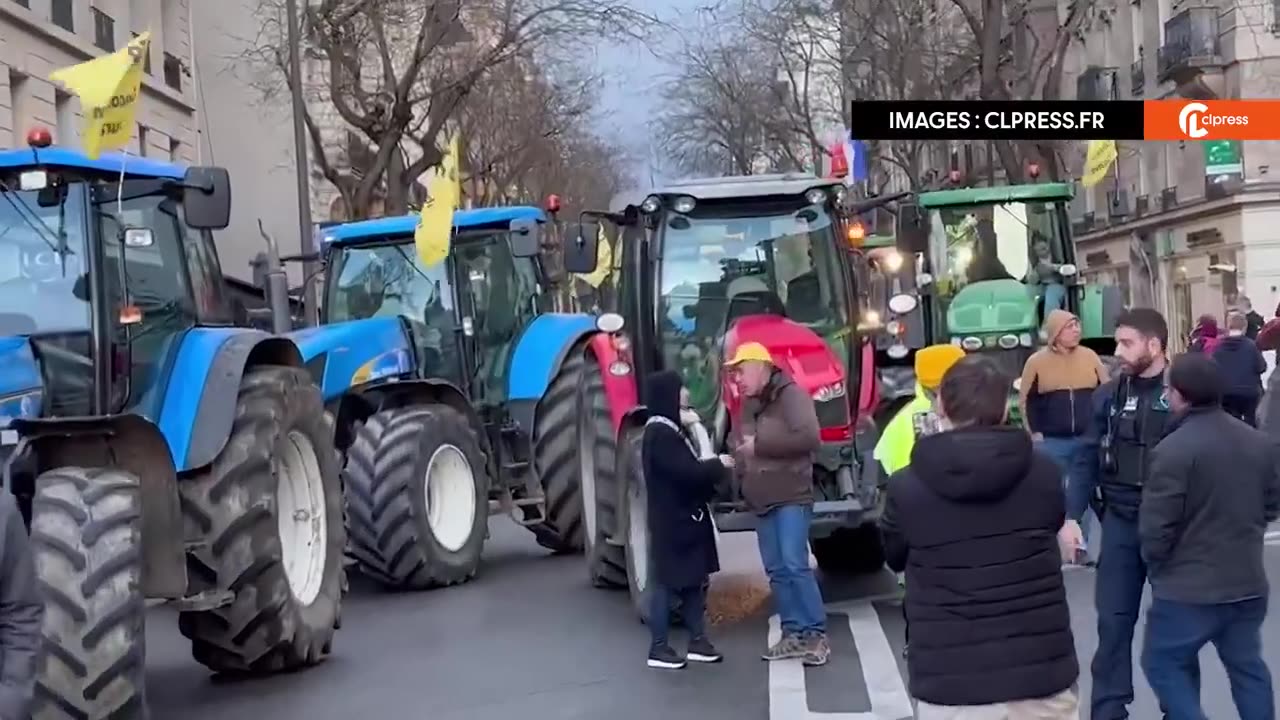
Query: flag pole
305	232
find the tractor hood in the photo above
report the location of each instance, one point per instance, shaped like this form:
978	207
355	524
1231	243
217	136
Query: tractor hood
21	387
991	306
803	355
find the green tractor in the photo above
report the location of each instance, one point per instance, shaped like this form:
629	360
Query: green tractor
993	261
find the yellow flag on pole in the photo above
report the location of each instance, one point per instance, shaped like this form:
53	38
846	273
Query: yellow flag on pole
444	191
1097	161
108	88
604	261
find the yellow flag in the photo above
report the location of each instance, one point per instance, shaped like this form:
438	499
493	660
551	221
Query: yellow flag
435	226
1102	153
604	261
108	88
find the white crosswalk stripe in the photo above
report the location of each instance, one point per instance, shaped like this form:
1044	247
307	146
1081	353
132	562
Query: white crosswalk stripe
1272	537
788	695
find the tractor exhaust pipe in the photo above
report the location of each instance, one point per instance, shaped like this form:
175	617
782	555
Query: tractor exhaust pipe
276	286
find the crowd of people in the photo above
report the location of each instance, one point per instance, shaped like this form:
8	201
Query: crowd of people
983	515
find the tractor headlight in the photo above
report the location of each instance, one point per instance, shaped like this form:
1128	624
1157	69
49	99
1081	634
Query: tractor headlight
1008	342
816	196
683	204
1024	339
829	392
619	368
971	343
651	204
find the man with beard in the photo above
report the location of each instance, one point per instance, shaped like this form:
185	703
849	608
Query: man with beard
1131	415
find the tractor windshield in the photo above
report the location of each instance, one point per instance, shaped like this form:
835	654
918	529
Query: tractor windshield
721	263
391	281
997	270
42	263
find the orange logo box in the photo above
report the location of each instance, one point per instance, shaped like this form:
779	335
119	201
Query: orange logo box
1211	120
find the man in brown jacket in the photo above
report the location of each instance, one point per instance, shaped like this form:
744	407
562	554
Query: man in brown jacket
779	438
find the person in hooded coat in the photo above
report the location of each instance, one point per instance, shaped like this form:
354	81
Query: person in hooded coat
1205	336
681	535
974	521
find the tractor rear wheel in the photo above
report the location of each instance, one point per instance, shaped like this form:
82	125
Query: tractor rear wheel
601	490
86	536
418	497
270	507
555	458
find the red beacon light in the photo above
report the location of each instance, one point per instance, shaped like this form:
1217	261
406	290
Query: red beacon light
955	176
39	137
553	203
1033	170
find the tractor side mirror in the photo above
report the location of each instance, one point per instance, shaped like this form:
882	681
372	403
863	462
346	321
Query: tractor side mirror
912	231
581	247
526	238
206	198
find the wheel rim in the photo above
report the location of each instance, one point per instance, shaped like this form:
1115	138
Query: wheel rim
637	523
301	516
451	497
587	469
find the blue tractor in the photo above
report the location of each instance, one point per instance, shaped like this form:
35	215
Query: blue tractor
157	450
455	392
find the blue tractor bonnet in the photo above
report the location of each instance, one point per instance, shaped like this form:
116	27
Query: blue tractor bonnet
362	230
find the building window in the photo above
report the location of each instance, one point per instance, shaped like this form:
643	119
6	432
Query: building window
24	3
175	150
104	30
173	72
146	59
65	114
142	140
63	14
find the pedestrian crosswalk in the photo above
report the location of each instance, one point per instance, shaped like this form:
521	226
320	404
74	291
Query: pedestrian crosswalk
886	689
1272	537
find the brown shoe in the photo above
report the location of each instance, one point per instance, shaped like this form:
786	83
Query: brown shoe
816	650
787	648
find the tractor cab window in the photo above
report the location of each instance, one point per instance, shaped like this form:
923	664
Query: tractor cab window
997	271
391	281
44	290
151	300
502	295
721	264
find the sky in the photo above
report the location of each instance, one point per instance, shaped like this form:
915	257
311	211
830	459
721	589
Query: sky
630	96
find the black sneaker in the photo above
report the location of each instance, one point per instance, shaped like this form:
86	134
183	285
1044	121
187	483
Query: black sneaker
701	650
666	658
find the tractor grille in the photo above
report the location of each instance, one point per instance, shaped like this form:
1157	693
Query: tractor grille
833	413
1010	362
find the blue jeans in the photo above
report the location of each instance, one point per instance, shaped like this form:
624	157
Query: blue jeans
1055	296
1121	576
693	610
783	534
1071	456
1170	657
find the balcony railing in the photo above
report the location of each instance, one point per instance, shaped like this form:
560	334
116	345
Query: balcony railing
1096	83
1137	79
1190	41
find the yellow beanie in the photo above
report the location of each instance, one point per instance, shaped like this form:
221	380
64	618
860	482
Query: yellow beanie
933	362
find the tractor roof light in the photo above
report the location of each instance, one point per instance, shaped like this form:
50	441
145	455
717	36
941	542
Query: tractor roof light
553	204
651	204
683	204
39	137
816	196
856	234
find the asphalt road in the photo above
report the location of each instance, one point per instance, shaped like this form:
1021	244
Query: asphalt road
530	639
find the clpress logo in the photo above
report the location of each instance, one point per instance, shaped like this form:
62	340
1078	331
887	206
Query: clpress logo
1189	120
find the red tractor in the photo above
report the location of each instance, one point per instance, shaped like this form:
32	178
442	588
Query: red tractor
695	269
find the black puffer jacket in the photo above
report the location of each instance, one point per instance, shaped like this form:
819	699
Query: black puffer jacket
973	521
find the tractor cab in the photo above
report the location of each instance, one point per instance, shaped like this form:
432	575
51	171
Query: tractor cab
465	314
106	262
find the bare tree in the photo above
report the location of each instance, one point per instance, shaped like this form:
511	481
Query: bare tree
392	74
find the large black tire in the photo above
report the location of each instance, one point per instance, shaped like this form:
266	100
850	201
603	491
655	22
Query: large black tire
236	506
555	458
857	551
601	491
632	515
389	504
86	535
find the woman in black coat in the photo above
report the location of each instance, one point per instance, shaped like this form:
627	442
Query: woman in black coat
682	540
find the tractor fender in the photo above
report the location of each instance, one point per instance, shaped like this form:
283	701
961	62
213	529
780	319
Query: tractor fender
204	382
134	444
541	350
619	378
361	402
